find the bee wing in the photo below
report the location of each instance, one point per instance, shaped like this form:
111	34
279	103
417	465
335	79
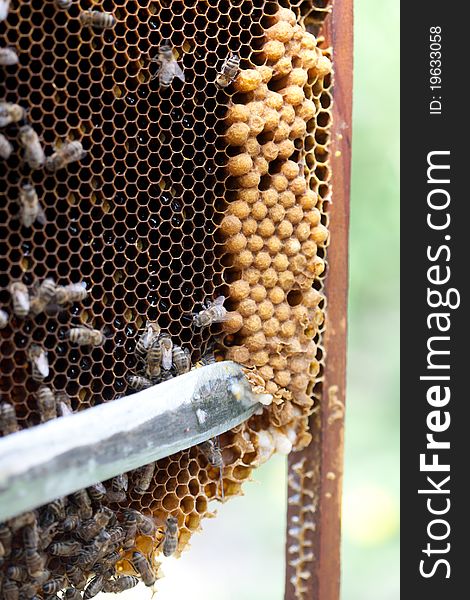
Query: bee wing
23	300
167	356
4	9
53	308
166	73
177	71
222	80
41	216
166	362
42	364
219	301
64	410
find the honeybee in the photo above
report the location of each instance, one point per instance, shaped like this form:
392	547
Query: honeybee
71	593
228	71
116	536
115	496
28	592
97	492
44	296
47	290
31	536
17	555
144	479
39	363
165	376
107	562
120	483
168	68
76	576
47	535
63	404
99	20
5	538
3	319
5	147
145	525
130	528
139	383
142	566
10	590
211	450
154	361
72	520
118	488
87	556
34	563
53	585
94	587
146	339
122	583
82	500
65	4
91	528
85	336
8	57
66	154
30	208
20	298
170	541
8	422
4	6
47	403
27	518
181	360
67	294
105	539
68	548
11	113
56	509
17	573
33	151
214	312
167	353
207	359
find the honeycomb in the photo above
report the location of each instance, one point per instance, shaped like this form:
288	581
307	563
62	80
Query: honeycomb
273	226
309	13
174	194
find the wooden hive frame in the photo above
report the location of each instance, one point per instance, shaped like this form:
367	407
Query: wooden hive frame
321	463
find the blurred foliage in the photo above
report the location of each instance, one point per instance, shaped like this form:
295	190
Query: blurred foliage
370	562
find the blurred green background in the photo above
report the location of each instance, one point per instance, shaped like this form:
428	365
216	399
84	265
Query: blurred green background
371	484
240	555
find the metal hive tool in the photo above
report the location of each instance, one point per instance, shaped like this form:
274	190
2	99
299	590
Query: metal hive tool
136	220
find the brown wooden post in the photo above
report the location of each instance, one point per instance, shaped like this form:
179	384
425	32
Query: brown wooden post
315	474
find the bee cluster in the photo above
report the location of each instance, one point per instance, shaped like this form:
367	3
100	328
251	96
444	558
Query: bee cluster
74	544
150	222
160	358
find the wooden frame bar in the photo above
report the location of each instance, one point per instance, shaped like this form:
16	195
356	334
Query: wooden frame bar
315	474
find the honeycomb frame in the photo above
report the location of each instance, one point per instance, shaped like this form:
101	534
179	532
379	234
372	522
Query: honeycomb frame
124	220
